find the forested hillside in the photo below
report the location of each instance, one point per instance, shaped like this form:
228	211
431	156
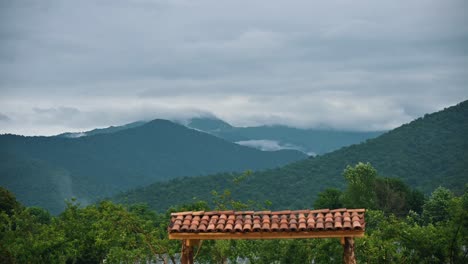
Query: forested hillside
311	141
43	171
107	130
399	229
429	152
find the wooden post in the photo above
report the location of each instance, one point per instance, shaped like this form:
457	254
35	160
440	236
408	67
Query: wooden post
187	252
348	251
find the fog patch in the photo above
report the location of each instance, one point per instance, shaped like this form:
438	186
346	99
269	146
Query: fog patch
63	182
267	145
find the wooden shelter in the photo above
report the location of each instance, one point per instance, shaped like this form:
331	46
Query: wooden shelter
192	227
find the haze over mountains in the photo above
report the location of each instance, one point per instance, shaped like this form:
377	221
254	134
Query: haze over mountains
268	138
43	171
429	152
310	141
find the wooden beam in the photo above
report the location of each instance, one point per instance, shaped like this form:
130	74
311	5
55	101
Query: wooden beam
187	252
267	235
193	242
348	251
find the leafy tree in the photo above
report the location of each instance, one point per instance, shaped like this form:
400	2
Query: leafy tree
330	198
436	209
8	201
361	186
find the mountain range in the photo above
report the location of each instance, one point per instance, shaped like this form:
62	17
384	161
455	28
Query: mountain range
310	141
44	171
430	151
267	138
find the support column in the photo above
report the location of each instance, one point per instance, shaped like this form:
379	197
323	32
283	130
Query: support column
187	252
348	250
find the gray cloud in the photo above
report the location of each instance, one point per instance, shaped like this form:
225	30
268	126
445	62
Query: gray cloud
359	65
4	118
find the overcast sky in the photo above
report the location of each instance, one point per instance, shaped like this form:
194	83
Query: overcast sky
354	65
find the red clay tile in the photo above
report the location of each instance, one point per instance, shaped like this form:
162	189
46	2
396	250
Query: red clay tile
219	227
211	213
319	226
193	228
356	225
256	227
198	213
267	221
356	210
283	227
293	226
262	213
227	212
306	211
175	228
302	227
274	227
211	228
181	213
324	211
281	212
338	210
328	225
202	228
228	228
347	225
338	225
184	228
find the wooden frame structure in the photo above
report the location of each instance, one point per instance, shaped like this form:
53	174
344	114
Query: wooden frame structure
193	227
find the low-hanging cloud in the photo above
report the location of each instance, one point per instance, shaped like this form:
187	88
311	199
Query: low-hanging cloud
354	65
267	145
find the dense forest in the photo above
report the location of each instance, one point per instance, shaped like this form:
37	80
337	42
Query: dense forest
429	152
44	171
402	226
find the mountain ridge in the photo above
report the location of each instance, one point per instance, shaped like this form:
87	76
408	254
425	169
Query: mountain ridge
99	165
428	152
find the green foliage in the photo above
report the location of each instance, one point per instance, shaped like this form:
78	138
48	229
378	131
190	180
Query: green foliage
437	207
44	171
330	198
8	202
111	233
93	234
360	192
424	154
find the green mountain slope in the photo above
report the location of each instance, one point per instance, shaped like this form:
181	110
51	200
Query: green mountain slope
429	152
97	131
312	141
55	168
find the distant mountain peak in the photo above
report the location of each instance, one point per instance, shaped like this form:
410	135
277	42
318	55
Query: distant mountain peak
208	124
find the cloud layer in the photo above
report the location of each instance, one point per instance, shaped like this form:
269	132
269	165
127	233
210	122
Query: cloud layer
355	65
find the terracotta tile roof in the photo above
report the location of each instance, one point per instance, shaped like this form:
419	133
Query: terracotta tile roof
223	222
